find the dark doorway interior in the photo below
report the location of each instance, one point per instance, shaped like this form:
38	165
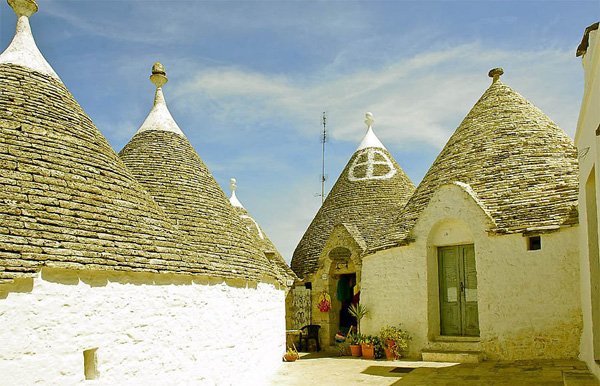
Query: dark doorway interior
347	295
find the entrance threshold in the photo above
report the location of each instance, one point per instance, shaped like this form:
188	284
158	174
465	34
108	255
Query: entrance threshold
456	338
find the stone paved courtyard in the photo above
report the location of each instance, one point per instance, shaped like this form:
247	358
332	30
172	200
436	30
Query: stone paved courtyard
331	371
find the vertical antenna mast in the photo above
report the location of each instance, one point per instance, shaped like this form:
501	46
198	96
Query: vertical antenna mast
323	140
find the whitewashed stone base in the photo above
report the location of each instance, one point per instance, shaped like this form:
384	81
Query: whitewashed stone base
148	329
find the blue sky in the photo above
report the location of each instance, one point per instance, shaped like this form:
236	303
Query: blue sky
248	80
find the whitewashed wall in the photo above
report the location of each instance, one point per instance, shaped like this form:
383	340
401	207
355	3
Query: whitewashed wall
528	300
587	145
175	331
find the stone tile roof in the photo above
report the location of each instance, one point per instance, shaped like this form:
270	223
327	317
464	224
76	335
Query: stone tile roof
370	188
266	245
519	163
66	199
166	164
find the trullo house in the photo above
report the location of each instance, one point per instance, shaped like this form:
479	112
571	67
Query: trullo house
586	138
260	237
483	259
100	275
329	256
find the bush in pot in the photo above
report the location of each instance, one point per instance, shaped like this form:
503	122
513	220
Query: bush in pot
367	344
395	341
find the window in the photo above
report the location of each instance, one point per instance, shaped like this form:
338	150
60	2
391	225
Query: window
90	363
534	243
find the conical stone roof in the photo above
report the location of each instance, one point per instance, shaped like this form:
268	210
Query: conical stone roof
520	165
165	163
371	186
260	237
66	199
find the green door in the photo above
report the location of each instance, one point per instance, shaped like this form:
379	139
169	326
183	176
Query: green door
458	291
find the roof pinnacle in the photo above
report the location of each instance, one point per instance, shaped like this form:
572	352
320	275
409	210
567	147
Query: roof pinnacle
23	7
495	74
369	120
159	75
370	139
22	50
160	118
233	199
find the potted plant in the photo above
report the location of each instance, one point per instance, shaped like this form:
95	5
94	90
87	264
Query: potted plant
395	341
355	340
379	352
367	345
358	311
291	355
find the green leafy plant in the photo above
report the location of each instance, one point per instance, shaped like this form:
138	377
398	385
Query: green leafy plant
353	338
379	353
395	338
366	339
358	311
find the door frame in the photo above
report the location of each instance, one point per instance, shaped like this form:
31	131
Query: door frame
463	289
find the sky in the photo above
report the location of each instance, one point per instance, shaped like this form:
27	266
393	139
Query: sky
249	80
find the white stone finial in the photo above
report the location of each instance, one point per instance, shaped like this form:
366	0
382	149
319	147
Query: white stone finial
369	120
22	50
233	199
370	139
160	117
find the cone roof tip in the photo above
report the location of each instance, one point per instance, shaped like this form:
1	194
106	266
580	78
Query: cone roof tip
23	7
233	199
495	73
159	75
370	139
160	117
22	50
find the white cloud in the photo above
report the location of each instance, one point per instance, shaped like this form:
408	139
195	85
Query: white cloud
419	100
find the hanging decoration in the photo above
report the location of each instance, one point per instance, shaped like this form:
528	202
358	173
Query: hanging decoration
324	304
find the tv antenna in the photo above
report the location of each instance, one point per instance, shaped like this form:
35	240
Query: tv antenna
323	140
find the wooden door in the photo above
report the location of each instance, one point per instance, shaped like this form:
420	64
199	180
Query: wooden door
458	291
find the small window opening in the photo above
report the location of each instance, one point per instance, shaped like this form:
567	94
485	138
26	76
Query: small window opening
308	285
534	243
90	363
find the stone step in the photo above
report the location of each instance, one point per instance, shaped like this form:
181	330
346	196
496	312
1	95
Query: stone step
452	356
579	378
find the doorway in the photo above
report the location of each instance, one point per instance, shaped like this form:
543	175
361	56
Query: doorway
345	294
459	315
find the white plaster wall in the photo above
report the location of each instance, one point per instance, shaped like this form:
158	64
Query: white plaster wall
587	145
175	331
395	292
528	300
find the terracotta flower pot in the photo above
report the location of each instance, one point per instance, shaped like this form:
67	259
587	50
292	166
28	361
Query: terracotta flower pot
368	350
389	350
290	357
355	350
389	353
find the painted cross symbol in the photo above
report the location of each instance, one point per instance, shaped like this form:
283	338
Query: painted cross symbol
371	162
